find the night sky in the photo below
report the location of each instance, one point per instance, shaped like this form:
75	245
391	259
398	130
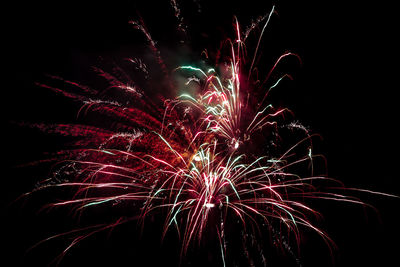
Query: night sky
344	90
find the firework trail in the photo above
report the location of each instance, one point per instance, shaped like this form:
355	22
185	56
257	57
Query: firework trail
196	157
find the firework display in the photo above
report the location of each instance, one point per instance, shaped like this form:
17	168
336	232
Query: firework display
201	147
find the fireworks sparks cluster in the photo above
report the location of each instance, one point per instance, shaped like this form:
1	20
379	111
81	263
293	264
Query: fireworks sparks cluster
205	159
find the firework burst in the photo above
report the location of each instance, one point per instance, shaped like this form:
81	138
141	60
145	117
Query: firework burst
197	158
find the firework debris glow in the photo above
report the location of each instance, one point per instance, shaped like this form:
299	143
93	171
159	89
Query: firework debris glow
217	159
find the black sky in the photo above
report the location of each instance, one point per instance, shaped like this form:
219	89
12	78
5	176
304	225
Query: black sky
345	90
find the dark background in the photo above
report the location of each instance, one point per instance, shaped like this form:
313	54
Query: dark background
345	90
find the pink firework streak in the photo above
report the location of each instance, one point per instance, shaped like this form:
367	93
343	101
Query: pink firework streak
196	158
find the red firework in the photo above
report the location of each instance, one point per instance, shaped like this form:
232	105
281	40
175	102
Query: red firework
196	158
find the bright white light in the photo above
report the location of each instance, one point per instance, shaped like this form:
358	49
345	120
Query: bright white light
209	205
236	145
